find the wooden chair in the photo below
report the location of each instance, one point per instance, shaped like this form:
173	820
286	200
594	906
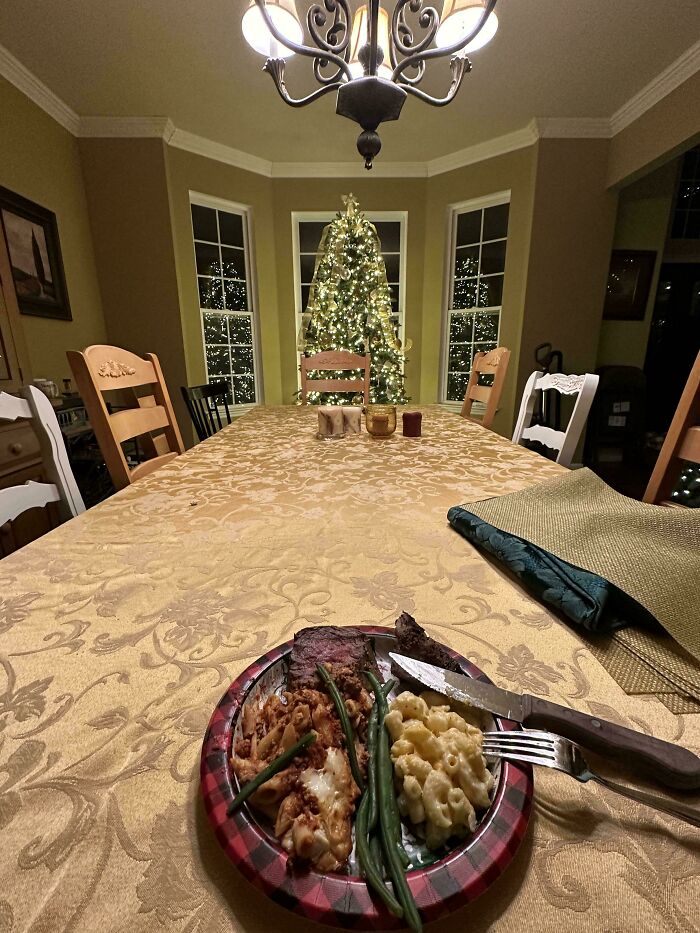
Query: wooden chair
103	369
62	489
203	403
334	360
565	442
494	363
682	441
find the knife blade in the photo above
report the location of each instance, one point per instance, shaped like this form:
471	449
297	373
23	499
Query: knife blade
668	764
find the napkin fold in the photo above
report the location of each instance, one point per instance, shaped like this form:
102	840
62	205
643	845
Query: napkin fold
604	560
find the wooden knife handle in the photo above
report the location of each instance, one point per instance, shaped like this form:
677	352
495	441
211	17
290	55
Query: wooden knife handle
670	765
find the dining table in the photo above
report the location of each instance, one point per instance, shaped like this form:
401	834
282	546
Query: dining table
121	630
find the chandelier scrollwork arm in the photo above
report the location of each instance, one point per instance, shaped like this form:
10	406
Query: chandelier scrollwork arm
401	32
424	55
305	50
459	66
337	36
275	68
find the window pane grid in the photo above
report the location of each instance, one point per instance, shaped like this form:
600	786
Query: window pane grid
227	318
476	291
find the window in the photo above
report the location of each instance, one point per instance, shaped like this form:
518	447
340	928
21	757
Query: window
686	214
477	261
307	229
222	257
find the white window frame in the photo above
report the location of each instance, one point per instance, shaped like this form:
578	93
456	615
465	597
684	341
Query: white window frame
453	211
326	217
245	211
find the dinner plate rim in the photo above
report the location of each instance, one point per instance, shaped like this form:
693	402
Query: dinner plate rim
344	900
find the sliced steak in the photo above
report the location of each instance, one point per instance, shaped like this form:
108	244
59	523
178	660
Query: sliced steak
414	642
344	648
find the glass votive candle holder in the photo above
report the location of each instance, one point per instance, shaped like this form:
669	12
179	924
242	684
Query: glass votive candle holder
411	421
380	420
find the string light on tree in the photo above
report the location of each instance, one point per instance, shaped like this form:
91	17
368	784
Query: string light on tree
350	307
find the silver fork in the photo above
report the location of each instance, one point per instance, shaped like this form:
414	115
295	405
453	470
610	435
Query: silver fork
553	751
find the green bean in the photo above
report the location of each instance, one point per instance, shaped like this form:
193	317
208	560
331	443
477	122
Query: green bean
369	867
372	768
344	722
375	848
276	765
388	815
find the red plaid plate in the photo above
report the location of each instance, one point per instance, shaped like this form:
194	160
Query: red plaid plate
343	900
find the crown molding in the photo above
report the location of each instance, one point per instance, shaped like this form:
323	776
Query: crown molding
127	127
28	83
519	139
573	128
163	128
684	67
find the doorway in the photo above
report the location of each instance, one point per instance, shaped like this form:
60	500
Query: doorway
674	341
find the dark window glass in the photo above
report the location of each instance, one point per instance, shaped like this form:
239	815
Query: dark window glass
456	386
392	268
207	256
491	291
460	358
231	228
204	223
484	347
236	295
467	261
493	257
496	222
468	228
690	166
485	327
678	228
215	328
210	293
242	360
307	268
389	233
239	329
692	225
464	293
233	262
218	363
461	328
310	236
305	289
243	390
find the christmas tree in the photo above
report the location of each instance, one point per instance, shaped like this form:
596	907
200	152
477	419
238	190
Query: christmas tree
350	307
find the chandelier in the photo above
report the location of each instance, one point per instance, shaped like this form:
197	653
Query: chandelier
372	64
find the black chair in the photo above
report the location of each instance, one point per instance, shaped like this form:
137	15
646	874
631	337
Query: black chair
203	403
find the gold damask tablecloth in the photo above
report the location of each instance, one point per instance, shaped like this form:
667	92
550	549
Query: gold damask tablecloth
120	631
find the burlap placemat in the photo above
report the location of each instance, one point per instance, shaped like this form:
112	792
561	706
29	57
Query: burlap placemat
650	552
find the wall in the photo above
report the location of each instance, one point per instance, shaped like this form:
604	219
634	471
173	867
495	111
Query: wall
40	160
573	221
127	193
665	130
642	223
514	171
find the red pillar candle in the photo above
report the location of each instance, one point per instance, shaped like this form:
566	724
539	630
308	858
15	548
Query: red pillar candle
412	423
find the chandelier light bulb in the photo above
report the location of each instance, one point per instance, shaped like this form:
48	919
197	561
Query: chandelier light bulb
459	18
258	36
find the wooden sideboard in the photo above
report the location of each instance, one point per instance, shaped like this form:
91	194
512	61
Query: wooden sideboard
20	459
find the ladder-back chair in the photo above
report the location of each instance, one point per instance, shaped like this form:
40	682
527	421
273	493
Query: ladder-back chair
564	442
103	368
334	360
61	487
494	363
203	404
682	441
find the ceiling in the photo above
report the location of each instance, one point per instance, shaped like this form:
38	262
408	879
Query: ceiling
188	61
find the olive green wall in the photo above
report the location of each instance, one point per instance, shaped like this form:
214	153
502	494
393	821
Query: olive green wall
40	160
573	219
127	192
642	223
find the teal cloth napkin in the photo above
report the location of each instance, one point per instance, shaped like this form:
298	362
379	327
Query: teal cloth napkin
583	597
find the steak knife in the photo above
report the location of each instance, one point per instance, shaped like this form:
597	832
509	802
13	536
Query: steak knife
670	765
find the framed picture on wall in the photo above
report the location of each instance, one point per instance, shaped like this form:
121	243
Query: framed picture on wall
31	234
629	280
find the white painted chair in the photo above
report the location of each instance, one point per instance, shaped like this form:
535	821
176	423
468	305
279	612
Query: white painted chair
564	442
35	407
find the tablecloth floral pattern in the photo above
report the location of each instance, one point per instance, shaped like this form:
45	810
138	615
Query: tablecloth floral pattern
120	631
